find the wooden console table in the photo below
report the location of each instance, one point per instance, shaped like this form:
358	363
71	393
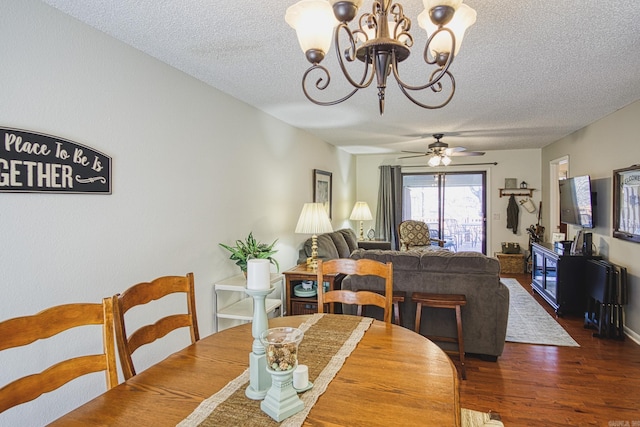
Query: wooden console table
304	305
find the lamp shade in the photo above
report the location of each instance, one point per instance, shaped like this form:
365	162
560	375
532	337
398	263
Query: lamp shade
361	212
464	18
313	219
313	21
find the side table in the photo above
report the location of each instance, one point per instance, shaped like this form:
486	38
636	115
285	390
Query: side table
304	305
243	309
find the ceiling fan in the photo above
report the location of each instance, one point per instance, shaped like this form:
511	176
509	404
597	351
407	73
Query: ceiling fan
441	153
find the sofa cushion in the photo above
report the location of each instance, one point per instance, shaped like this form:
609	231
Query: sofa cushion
349	237
326	247
434	261
341	244
337	244
458	262
400	260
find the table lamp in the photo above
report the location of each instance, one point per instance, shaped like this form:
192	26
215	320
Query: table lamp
361	212
313	220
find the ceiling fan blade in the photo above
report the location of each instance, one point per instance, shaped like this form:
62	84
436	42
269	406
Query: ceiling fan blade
414	152
410	157
466	153
450	150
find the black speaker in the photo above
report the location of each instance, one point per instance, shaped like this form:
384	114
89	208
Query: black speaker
587	245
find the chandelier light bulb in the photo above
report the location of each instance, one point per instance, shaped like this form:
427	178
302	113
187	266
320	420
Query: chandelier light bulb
313	21
464	17
446	160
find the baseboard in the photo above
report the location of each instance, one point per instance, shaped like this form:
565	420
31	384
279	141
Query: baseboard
632	335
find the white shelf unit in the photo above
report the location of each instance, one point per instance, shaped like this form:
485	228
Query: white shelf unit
243	309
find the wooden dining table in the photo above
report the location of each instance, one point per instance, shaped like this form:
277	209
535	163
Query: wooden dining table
393	377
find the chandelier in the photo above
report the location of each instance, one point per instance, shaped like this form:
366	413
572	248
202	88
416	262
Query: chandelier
381	41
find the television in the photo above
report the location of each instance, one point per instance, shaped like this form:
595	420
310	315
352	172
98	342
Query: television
577	201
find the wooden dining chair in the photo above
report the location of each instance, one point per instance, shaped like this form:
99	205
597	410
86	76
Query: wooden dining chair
143	293
361	267
25	330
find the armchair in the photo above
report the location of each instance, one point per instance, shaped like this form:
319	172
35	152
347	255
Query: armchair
415	235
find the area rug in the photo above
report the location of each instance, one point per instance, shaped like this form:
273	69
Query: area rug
530	323
471	418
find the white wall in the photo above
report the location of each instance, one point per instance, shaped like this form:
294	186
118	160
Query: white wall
521	164
192	167
597	150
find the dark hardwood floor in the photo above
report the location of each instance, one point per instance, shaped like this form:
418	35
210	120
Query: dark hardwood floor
596	384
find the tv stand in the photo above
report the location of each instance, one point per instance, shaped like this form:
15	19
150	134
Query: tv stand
558	279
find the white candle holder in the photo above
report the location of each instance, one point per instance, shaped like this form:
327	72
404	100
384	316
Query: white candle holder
282	399
259	378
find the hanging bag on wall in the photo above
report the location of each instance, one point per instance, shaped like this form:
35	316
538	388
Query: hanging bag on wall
528	205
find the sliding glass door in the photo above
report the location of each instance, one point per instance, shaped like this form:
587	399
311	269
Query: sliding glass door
453	204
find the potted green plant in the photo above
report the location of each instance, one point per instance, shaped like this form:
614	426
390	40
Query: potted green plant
251	248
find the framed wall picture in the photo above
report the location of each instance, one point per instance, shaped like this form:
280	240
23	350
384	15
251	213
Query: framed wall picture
510	183
626	203
322	189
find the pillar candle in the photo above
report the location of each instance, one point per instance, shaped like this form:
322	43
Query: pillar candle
301	377
258	275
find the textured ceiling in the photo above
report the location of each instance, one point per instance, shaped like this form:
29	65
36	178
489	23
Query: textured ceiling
528	73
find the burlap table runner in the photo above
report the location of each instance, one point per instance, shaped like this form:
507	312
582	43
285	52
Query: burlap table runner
327	342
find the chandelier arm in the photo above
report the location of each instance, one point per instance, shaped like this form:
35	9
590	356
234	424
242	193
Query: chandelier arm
434	78
367	20
321	85
350	56
436	88
426	55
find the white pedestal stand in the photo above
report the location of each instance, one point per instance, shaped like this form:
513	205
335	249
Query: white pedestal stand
282	400
259	378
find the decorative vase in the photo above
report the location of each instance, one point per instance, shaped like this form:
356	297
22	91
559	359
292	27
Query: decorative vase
281	348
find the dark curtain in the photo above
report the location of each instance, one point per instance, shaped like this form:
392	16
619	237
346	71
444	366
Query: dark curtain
389	211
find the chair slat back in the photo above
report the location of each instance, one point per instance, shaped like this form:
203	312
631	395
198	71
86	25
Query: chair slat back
25	330
361	267
141	294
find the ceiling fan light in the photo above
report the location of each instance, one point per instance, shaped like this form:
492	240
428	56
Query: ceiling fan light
313	21
434	160
446	160
464	17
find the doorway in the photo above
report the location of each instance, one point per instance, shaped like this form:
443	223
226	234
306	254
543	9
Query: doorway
558	170
453	204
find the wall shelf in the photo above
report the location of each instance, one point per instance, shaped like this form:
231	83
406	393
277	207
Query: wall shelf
517	192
